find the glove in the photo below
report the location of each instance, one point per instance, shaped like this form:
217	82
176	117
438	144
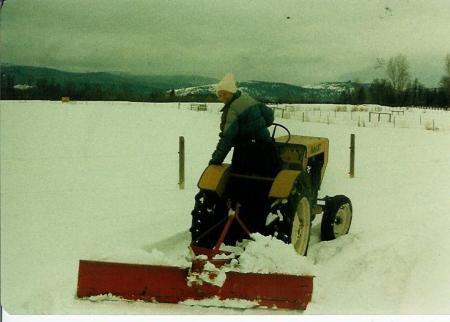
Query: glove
213	162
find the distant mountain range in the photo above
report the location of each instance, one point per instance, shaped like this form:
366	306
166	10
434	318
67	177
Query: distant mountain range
29	75
162	87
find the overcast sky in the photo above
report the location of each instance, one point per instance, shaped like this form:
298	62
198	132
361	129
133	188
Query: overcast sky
293	41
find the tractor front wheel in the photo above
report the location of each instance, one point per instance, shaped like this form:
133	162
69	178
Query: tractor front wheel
337	217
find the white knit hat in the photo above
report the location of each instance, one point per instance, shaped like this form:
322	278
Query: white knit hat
227	83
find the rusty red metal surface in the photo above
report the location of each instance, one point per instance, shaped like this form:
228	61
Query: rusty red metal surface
166	284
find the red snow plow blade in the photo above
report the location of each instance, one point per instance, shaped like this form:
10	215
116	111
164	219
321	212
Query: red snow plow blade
166	284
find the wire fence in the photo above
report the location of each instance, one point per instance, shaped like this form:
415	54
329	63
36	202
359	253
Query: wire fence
367	116
425	118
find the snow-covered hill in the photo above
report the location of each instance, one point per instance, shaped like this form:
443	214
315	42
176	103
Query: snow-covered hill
337	87
203	90
98	180
276	92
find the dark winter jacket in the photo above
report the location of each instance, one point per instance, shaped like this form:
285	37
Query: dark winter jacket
243	120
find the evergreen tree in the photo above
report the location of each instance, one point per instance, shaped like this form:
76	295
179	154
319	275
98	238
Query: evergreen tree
7	87
381	92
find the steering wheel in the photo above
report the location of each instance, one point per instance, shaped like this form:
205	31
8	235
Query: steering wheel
275	125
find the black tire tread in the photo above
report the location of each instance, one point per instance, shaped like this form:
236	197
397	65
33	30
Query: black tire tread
331	207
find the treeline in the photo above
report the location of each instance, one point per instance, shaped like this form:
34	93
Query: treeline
381	92
397	89
45	89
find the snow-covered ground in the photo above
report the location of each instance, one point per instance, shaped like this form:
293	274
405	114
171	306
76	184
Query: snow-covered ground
99	180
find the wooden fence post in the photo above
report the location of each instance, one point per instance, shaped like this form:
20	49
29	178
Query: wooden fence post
352	156
181	162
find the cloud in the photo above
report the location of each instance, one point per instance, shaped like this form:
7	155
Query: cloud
296	41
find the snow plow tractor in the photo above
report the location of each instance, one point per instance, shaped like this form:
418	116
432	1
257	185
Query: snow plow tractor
229	208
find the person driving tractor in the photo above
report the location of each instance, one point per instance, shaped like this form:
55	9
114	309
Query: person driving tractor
244	126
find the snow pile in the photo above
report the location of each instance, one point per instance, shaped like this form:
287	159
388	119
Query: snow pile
263	255
267	254
210	273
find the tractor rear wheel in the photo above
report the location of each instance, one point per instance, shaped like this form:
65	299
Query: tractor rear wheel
209	209
337	217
